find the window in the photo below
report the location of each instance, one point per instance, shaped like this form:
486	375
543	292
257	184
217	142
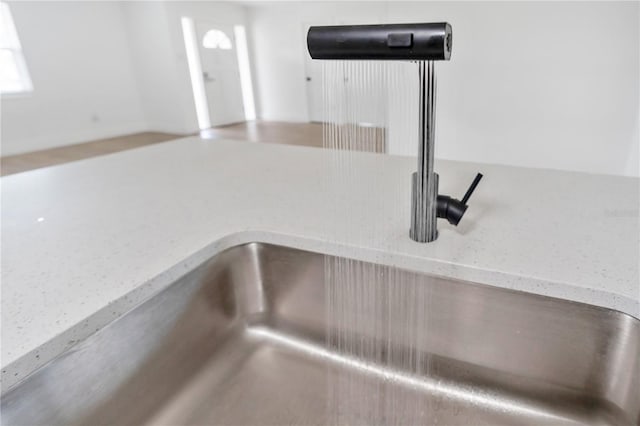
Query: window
14	77
215	39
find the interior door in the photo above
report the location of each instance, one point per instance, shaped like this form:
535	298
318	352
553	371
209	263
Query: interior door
314	89
220	72
313	70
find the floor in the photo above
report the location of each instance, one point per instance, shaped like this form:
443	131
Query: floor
368	138
308	134
65	154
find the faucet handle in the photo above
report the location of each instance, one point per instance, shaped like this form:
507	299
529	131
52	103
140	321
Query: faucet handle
451	209
472	188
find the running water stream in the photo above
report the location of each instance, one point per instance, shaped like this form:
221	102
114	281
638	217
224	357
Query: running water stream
375	319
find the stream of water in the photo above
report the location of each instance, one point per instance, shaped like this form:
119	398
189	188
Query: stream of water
374	316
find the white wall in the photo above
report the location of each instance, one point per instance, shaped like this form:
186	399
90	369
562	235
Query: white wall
537	84
155	69
84	85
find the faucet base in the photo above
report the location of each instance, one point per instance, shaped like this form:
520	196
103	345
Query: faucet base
424	204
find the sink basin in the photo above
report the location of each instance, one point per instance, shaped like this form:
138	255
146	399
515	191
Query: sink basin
263	334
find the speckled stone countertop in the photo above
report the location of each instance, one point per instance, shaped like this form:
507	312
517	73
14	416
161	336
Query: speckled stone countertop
84	242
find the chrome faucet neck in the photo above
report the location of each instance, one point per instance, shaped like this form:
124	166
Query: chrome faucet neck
426	205
425	181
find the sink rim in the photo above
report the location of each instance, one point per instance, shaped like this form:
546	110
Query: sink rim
254	247
46	352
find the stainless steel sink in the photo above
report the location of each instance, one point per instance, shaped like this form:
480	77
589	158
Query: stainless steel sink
268	335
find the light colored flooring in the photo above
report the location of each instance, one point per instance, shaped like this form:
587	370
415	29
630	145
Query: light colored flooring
308	134
65	154
361	138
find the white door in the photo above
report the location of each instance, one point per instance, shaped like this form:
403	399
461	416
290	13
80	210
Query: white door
314	89
220	72
313	70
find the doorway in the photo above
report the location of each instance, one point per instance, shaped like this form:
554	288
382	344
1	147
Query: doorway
220	75
313	76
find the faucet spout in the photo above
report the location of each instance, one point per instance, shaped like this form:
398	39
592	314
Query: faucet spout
425	181
425	43
426	205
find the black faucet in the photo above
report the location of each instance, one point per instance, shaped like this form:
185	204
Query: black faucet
424	43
